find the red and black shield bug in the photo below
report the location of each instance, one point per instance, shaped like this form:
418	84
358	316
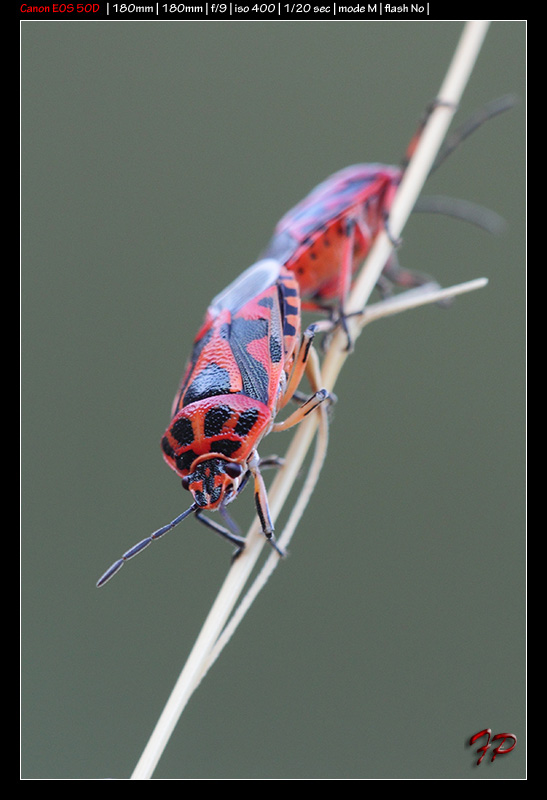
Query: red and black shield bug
247	361
327	235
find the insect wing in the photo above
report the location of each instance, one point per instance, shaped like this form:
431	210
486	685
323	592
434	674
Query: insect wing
236	350
246	287
264	307
331	199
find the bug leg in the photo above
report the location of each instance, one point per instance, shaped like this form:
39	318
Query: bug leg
395	241
346	267
299	366
232	525
395	275
313	373
271	462
244	482
337	315
303	364
339	318
343	322
239	541
299	397
263	511
297	416
262	507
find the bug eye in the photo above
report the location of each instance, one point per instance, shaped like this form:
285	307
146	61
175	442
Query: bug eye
186	482
233	470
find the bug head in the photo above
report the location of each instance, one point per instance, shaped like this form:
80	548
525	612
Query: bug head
214	481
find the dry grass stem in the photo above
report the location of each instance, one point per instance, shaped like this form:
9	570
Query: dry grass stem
214	634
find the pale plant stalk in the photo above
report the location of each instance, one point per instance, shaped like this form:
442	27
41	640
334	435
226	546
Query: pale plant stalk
413	298
209	642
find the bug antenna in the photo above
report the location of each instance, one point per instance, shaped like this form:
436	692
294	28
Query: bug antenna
482	115
117	565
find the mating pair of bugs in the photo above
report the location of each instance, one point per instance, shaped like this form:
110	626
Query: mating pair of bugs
250	354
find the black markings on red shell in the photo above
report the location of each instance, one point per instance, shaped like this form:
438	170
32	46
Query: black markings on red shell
167	449
181	430
226	447
215	419
246	422
254	378
211	381
276	350
185	460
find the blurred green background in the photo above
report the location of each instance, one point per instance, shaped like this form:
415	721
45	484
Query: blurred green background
157	158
